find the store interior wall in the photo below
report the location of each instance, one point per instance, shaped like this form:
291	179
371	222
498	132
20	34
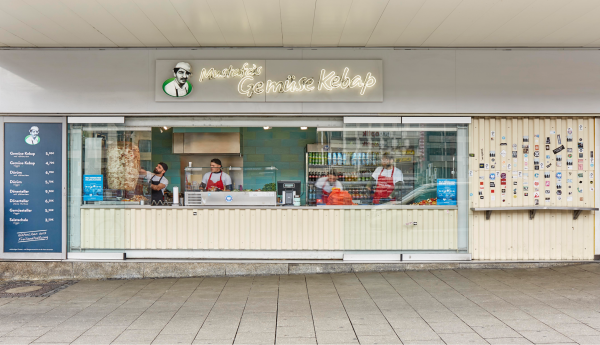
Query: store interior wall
282	147
162	151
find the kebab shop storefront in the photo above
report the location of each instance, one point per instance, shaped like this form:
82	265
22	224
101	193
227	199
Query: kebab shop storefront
332	186
320	187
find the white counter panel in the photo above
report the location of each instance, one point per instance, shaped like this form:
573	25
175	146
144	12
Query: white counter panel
269	229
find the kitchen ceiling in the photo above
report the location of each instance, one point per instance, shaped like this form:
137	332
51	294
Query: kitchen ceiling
299	23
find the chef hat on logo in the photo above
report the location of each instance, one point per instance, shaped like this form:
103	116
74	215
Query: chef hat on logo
186	66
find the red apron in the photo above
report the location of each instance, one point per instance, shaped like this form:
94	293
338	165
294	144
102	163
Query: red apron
325	197
385	187
219	183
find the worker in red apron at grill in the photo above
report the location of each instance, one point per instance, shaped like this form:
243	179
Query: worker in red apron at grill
216	179
326	183
387	176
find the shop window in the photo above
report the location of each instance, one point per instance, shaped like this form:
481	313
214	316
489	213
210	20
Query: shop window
385	164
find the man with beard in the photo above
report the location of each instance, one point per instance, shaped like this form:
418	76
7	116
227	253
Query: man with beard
387	179
179	86
158	182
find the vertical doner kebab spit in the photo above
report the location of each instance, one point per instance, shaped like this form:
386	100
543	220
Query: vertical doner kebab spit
123	165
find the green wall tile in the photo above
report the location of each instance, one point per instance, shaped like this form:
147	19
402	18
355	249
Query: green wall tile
282	150
249	150
291	158
298	150
281	133
254	158
298	135
264	135
249	135
264	150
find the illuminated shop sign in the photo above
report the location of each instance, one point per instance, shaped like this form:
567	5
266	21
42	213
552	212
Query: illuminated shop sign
269	81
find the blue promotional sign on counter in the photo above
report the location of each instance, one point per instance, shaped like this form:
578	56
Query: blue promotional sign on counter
446	191
32	187
93	188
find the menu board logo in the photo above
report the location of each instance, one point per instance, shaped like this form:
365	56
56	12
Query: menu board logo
179	86
33	138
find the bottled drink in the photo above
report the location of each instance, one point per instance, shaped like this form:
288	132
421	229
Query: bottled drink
344	157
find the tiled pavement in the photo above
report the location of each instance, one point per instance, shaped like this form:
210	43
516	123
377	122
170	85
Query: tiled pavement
515	306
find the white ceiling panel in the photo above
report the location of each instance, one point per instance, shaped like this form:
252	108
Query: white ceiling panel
297	19
136	22
199	18
101	20
11	40
461	19
233	21
18	28
168	21
330	18
427	19
530	16
394	20
554	22
584	30
69	20
300	23
593	44
494	18
36	20
265	21
362	19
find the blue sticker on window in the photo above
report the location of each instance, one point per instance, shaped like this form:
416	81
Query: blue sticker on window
229	198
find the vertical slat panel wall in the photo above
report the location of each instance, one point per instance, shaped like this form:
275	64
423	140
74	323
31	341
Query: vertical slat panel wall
269	229
507	145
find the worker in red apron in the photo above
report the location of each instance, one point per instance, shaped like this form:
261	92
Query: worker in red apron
216	179
386	177
326	183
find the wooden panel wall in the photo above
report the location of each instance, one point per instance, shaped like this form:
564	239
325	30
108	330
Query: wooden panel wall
551	235
265	229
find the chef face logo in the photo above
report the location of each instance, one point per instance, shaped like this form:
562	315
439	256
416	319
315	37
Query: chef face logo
179	86
33	138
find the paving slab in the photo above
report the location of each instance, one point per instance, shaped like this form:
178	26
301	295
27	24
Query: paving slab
453	306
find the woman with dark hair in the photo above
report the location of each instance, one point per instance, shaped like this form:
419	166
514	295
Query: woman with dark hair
216	179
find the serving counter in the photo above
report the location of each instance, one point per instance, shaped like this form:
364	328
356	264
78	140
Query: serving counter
393	227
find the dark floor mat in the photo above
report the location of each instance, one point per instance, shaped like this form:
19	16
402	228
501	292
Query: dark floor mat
33	288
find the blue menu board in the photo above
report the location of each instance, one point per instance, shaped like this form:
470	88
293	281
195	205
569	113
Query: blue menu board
446	191
32	187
